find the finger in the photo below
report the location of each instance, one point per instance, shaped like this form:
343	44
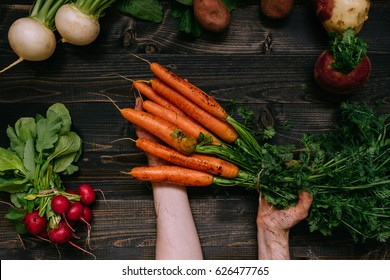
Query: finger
138	104
302	208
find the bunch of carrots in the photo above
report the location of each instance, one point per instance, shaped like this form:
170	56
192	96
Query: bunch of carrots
204	145
346	170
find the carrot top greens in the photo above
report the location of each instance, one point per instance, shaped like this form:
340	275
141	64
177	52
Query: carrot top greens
347	170
347	50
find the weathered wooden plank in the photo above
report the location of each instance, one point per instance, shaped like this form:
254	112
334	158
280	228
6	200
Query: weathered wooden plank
229	66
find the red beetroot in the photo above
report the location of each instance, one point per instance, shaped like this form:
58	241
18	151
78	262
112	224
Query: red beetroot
87	194
34	223
344	66
337	82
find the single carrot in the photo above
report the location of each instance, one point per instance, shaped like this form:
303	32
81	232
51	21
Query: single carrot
149	92
204	163
193	93
184	123
162	129
173	175
217	126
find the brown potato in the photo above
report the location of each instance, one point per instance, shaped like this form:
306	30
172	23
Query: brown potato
277	9
212	14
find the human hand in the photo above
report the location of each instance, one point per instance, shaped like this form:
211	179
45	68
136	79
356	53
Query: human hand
270	217
152	160
273	226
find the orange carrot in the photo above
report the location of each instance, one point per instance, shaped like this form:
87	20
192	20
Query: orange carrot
204	163
193	93
182	122
162	129
221	128
149	92
173	175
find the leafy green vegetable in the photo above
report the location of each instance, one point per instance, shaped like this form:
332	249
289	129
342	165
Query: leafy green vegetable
41	149
347	170
347	50
187	22
150	10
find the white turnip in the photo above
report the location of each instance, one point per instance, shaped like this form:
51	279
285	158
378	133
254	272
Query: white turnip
32	37
78	22
339	15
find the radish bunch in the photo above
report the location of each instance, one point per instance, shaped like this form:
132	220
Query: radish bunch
67	210
42	150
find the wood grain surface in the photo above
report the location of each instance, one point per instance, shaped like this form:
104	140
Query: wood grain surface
230	66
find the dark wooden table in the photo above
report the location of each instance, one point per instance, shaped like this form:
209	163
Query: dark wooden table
229	66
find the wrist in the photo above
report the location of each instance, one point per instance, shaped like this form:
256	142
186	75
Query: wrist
273	243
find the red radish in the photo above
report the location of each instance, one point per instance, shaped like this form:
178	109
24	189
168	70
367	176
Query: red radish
87	214
61	234
60	204
87	194
70	191
75	211
34	223
86	219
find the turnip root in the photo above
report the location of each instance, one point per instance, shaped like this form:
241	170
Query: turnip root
31	40
337	82
339	15
32	37
344	66
78	23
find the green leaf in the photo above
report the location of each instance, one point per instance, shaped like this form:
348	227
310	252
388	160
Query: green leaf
70	169
233	4
150	10
29	159
15	214
68	144
63	112
47	131
347	50
13	185
187	22
185	2
10	161
18	200
24	129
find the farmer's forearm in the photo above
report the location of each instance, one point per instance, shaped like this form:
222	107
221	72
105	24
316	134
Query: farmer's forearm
272	244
